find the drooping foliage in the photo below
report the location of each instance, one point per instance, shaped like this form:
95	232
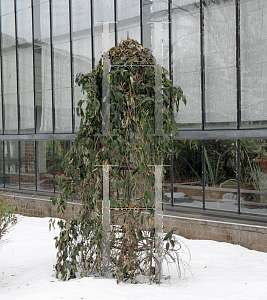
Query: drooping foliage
130	149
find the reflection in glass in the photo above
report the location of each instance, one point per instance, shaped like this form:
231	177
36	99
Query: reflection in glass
128	14
26	112
253	176
186	61
11	114
221	175
220	63
9	72
11	164
45	169
61	149
63	110
253	39
187	174
27	165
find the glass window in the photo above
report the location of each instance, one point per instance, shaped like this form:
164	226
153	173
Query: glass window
221	175
45	169
128	15
253	39
8	32
61	26
63	110
82	63
253	175
186	61
9	73
81	19
27	165
7	7
22	4
44	111
187	170
11	164
103	12
26	112
220	63
11	114
61	149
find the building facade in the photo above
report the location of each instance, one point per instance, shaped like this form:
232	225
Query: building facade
214	49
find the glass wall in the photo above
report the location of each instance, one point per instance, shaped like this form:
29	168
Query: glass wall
214	50
253	176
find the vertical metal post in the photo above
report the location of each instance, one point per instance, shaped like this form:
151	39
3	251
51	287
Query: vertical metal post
52	65
71	67
36	164
54	167
17	65
171	78
115	24
170	38
92	33
4	165
19	162
158	222
2	77
238	175
33	54
172	176
141	21
105	222
238	76
203	174
202	63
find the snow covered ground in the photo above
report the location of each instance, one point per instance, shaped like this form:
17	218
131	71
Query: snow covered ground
217	271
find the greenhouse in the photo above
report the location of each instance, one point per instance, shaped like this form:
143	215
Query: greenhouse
215	50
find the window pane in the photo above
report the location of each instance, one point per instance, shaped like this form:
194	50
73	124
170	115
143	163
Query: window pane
11	164
7	7
221	175
63	110
253	38
45	166
8	32
25	59
253	176
9	73
61	149
81	19
26	112
61	28
187	174
44	111
220	63
128	13
82	63
22	4
11	114
186	61
62	65
27	167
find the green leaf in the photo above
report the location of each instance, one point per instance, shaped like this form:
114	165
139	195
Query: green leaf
168	236
167	246
140	234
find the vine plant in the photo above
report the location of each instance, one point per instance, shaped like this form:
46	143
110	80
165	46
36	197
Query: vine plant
131	149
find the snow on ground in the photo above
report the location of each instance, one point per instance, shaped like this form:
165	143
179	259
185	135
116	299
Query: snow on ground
217	271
